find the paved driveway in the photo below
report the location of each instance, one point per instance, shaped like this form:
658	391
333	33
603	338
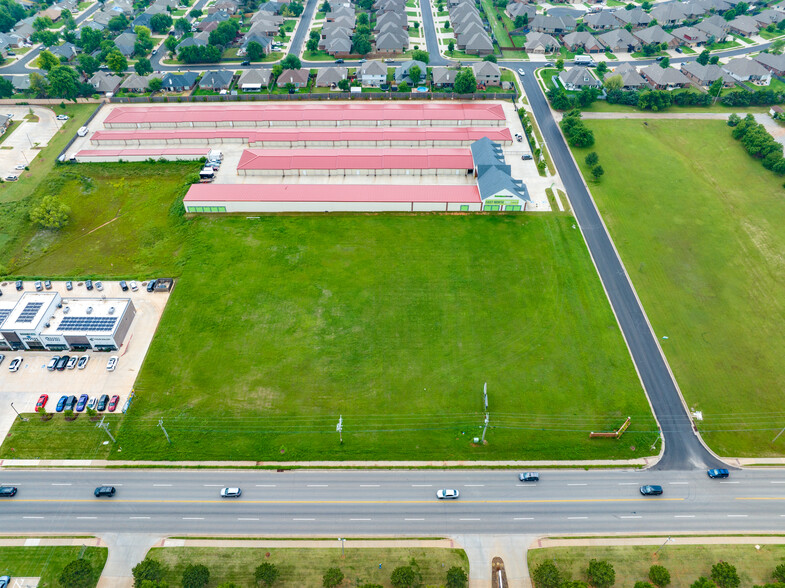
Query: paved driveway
25	141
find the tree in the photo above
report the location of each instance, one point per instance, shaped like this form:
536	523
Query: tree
344	85
665	62
266	574
46	38
311	44
547	575
38	85
703	582
195	576
592	159
89	39
154	85
521	21
723	573
148	569
715	88
117	23
403	577
291	61
574	584
181	25
224	33
117	62
255	50
714	60
457	578
42	22
77	574
88	64
777	46
614	82
332	577
597	172
703	58
63	82
733	120
277	70
228	585
642	584
659	576
779	572
560	64
171	43
602	69
465	82
195	54
195	13
161	22
600	573
47	60
6	88
143	67
403	87
294	8
451	47
414	74
420	55
491	58
361	44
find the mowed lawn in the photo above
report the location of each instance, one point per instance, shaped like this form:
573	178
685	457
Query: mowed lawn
686	563
280	325
698	224
48	562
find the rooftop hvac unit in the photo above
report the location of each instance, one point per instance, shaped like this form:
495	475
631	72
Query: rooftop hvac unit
47	325
66	310
111	310
89	309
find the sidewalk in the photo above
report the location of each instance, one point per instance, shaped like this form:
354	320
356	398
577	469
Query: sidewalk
682	540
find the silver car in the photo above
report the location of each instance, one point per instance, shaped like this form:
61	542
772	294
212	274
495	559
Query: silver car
231	492
447	494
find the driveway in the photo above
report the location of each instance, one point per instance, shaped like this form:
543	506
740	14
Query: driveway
25	142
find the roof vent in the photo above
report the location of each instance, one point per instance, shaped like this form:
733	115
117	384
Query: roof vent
66	310
89	309
47	325
111	310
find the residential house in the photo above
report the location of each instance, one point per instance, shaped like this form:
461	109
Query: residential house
91	24
718	6
774	63
714	34
558	25
136	83
619	41
297	77
263	40
706	75
768	17
476	44
24	31
391	19
443	77
577	78
271	7
402	72
66	51
373	73
541	43
657	35
664	78
498	189
216	80
253	80
276	19
693	10
630	78
230	6
690	36
125	43
601	21
179	82
338	45
487	73
582	42
392	41
53	12
328	77
748	70
668	14
744	25
637	17
105	83
143	20
197	40
267	28
20	82
717	21
516	9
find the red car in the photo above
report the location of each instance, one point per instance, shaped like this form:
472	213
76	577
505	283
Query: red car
113	403
41	401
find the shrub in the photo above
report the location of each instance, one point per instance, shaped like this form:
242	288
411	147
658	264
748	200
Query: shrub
332	577
724	575
148	569
403	577
659	576
50	213
457	578
546	575
266	574
703	582
601	574
77	574
195	576
643	584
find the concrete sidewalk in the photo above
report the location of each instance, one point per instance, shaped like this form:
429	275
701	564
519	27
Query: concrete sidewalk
657	541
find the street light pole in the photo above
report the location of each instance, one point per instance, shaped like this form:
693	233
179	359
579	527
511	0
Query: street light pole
17	413
668	540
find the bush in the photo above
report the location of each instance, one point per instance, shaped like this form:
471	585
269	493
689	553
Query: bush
642	584
148	569
457	578
659	576
403	577
724	575
546	575
703	582
50	213
77	574
196	576
266	574
574	584
577	133
332	577
733	120
601	574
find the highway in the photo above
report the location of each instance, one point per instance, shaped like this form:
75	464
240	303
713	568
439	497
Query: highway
391	502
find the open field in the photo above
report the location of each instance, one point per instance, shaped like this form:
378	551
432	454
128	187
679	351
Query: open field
47	562
305	567
697	226
684	562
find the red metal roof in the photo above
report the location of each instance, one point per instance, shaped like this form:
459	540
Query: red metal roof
330	193
366	111
283	159
311	134
152	152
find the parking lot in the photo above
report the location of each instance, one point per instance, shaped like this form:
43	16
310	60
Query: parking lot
33	379
25	142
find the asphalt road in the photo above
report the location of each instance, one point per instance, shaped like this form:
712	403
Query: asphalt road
384	502
431	41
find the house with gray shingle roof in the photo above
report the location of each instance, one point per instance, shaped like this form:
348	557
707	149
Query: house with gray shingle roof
516	9
637	17
656	34
402	72
601	21
136	83
619	41
669	14
297	77
690	36
125	43
327	77
373	73
498	189
744	25
541	43
747	70
552	24
487	72
105	83
630	78
774	63
443	77
706	75
253	80
664	78
578	78
582	42
216	80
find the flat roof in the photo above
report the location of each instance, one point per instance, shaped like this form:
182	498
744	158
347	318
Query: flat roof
207	193
366	111
153	152
311	133
283	159
29	311
87	316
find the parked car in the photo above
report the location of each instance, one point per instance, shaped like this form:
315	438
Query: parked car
105	491
62	362
113	403
82	363
112	363
718	473
151	285
245	63
70	403
679	50
529	477
19	285
519	137
134	286
52	363
88	284
526	157
11	178
71	362
15	364
20	167
651	490
92	403
42	400
102	402
99	286
48	284
2	357
123	286
69	285
38	286
61	404
7	492
80	405
447	493
231	492
62	117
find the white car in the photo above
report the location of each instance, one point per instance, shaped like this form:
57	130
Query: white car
52	363
91	404
15	364
447	493
82	363
520	71
231	492
62	117
112	364
20	167
71	362
99	286
133	285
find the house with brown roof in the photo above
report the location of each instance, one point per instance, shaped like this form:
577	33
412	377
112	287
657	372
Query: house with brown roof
664	78
619	41
297	77
541	43
706	75
582	42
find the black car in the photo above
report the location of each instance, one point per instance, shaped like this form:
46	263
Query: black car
69	285
7	491
19	285
70	404
718	473
651	490
123	286
62	362
88	284
105	491
339	61
246	63
102	402
660	58
151	285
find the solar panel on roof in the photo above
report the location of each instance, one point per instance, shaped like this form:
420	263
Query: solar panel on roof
4	314
29	311
87	323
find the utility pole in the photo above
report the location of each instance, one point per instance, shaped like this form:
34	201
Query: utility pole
339	428
105	427
161	424
485	396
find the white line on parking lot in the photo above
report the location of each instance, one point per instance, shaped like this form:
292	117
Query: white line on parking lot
424	519
422	485
580	484
359	519
247	519
729	482
474	485
32	517
469	519
523	519
107	484
213	485
677	483
737	515
89	518
62	484
317	485
628	483
683	516
265	485
777	482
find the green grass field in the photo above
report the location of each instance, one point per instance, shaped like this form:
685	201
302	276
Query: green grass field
684	562
305	567
47	562
698	228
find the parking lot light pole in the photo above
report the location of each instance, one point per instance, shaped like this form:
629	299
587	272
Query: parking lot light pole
17	413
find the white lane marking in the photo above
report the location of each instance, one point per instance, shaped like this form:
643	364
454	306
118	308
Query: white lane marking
776	481
86	517
359	519
473	485
246	519
161	485
138	517
213	485
737	515
469	519
422	485
108	484
576	518
65	484
683	516
193	518
581	484
265	485
729	482
424	519
369	485
527	485
32	517
629	517
677	483
317	485
628	483
523	519
303	519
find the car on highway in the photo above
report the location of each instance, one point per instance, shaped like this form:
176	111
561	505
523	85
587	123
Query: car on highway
111	364
231	492
520	71
62	117
529	477
447	493
42	400
61	403
7	491
82	363
105	491
80	406
71	362
526	157
15	364
102	402
718	473
113	403
651	490
52	363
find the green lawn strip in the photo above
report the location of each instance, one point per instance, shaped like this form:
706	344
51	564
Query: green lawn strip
145	237
684	562
45	160
305	567
80	438
564	200
611	56
317	56
721	46
603	106
768	35
548	74
499	31
551	198
11	128
355	330
48	562
688	50
743	39
543	147
697	228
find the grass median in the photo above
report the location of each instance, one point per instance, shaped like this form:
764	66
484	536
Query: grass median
48	562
